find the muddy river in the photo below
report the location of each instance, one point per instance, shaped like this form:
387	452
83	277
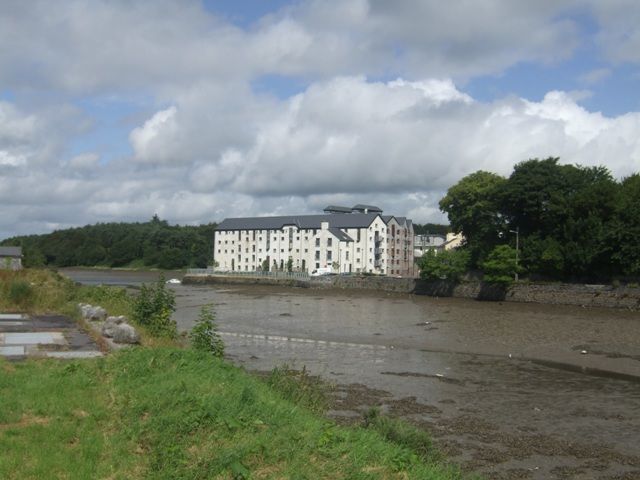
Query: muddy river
508	390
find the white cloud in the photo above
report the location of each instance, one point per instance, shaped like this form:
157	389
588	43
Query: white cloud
213	147
596	76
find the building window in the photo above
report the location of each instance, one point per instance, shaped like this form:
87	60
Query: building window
317	254
328	242
317	242
317	265
328	255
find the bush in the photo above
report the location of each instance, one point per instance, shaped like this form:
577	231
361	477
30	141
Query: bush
500	265
444	265
153	308
204	335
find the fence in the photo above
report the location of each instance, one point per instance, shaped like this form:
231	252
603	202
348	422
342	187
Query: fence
259	273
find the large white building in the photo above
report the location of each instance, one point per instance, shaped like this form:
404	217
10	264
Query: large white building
346	240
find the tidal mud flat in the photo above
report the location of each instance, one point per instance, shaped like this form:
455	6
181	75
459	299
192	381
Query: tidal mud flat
505	388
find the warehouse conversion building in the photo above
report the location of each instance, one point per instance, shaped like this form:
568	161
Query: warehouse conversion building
343	240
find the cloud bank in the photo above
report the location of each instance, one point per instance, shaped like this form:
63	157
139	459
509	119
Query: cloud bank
378	112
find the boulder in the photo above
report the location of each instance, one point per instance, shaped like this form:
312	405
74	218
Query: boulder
110	325
94	314
125	333
119	330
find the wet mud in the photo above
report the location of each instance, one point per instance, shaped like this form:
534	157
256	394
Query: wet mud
507	390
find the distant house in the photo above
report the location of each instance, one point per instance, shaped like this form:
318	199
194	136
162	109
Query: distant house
436	242
10	258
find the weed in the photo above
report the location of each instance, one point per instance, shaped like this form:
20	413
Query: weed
153	307
20	293
299	387
403	434
204	335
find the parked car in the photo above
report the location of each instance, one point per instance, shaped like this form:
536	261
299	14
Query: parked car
318	272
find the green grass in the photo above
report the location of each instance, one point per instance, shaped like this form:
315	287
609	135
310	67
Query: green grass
174	413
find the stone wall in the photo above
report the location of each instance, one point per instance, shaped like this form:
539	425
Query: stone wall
549	293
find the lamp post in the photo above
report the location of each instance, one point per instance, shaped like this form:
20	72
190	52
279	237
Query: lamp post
517	232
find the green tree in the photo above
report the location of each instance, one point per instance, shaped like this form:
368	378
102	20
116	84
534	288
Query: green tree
473	209
625	227
444	265
500	265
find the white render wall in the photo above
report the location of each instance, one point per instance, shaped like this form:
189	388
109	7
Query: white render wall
308	249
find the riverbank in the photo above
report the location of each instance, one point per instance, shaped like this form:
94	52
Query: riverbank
173	412
489	380
176	413
605	296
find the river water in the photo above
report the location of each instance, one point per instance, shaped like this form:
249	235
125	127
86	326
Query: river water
509	390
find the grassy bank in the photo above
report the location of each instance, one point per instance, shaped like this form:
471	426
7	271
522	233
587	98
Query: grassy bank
176	413
161	411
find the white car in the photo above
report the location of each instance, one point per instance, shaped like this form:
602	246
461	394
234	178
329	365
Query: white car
318	272
174	281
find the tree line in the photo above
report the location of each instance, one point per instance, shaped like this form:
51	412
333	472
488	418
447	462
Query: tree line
148	244
571	222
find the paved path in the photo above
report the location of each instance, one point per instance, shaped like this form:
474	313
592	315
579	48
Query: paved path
52	336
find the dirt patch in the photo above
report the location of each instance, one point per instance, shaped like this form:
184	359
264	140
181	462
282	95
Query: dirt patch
27	420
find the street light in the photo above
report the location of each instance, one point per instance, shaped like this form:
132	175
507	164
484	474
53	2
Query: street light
517	232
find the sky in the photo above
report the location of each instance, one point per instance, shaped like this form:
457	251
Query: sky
201	110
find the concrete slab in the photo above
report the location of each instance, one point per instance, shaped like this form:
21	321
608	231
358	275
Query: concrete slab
32	338
12	316
74	354
12	351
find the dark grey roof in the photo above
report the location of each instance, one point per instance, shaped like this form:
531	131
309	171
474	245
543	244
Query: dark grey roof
340	235
369	208
10	251
354	220
337	209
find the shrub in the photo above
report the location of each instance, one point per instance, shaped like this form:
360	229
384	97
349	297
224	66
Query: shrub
153	308
444	265
204	335
500	265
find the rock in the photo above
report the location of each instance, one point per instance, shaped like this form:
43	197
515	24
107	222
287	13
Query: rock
94	314
125	333
119	330
111	324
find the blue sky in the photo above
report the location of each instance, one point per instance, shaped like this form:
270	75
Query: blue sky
200	110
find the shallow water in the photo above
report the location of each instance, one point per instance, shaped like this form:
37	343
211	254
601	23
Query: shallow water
504	387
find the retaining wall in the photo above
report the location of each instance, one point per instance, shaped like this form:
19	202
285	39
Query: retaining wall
549	293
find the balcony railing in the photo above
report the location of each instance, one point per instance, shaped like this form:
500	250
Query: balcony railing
256	274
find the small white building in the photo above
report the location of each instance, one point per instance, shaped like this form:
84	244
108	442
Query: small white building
346	240
10	258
